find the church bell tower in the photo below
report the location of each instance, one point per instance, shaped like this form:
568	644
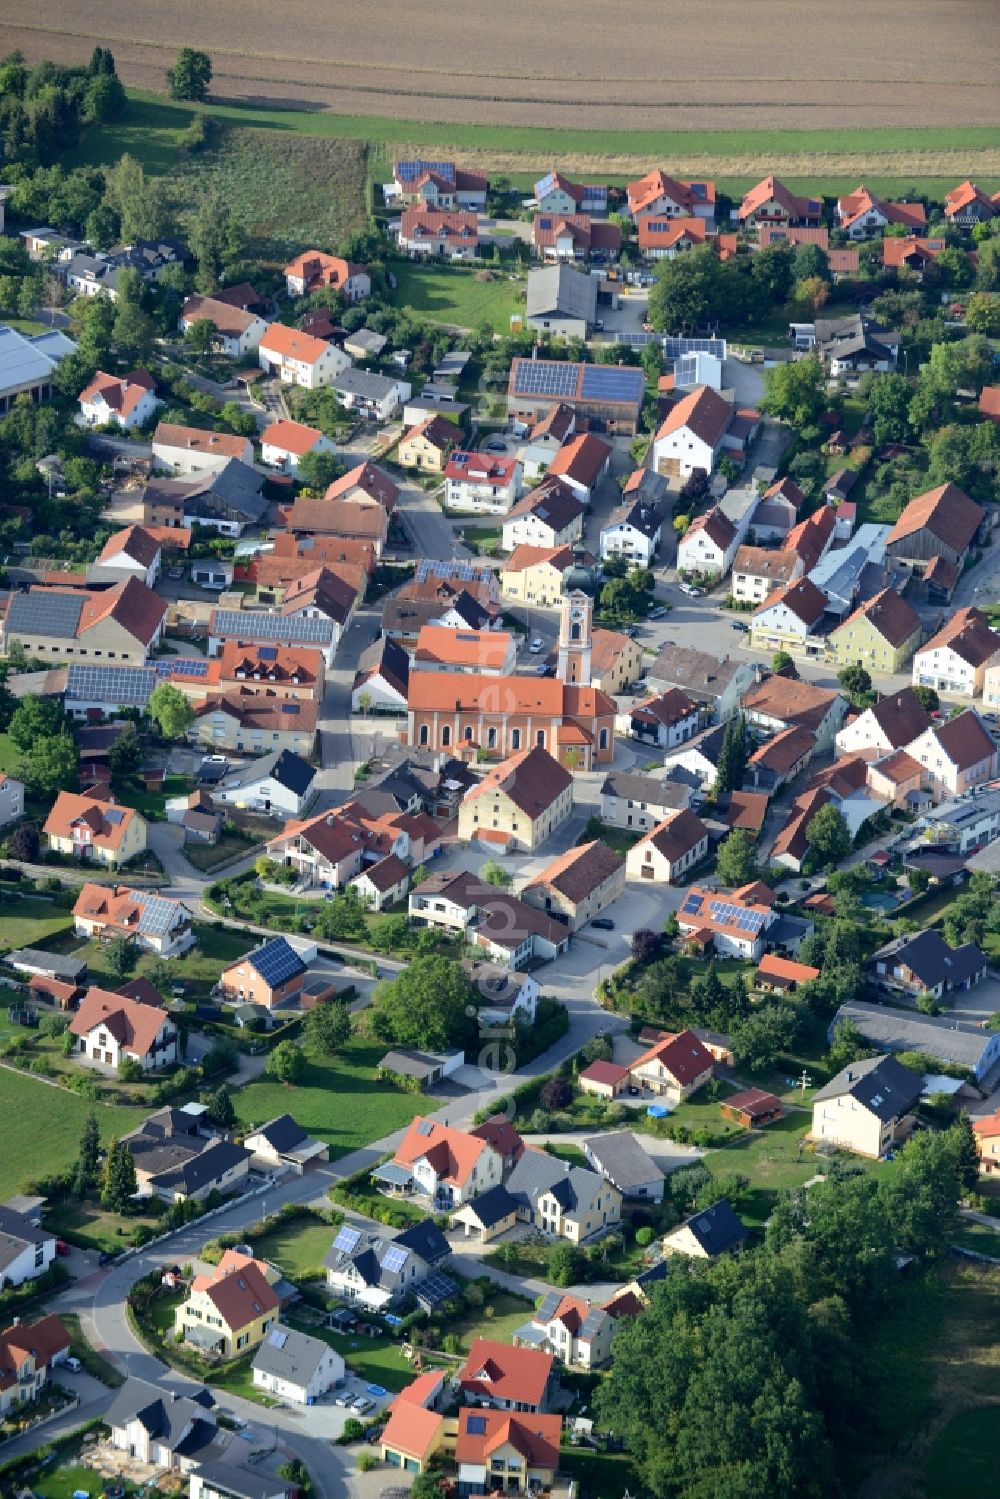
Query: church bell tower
576	629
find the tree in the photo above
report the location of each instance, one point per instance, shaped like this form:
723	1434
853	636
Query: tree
118	1183
848	1045
104	99
286	1063
736	863
732	762
810	261
24	843
327	1028
89	1158
120	956
567	1264
431	1005
888	405
781	661
220	1107
796	392
774	267
239	420
555	1093
133	334
190	75
200	336
646	945
828	836
171	711
214	240
927	698
855	681
36	718
760	1038
982	314
494	874
967	1153
50	766
319	470
125	755
811	294
138	201
390	932
685	292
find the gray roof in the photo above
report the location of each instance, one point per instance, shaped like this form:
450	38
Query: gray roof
717	1228
426	1240
621	1158
290	1355
959	814
163	1414
409	1064
493	1206
252	626
66	966
881	1085
987	860
239	487
536	1173
16	1234
698	672
381	1262
246	1483
25	361
282	1133
283	766
907	1030
639	514
203	1169
122	686
365	384
932	960
561	290
638	788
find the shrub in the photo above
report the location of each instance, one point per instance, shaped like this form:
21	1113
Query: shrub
556	1093
644	1236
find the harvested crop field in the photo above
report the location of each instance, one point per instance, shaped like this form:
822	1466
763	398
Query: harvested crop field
572	64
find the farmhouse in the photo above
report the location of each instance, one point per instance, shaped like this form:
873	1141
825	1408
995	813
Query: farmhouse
520	803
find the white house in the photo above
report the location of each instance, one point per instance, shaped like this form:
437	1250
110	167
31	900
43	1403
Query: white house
112	1027
383	675
955	660
691	434
378	397
634	528
279	784
957	755
709	544
293	1366
384	883
168	1431
132	553
26	1251
670	849
299	358
550	515
758	571
237	333
11	799
789	617
284	443
189	450
482	483
582	463
125	401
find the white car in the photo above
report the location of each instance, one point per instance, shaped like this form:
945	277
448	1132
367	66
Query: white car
536	646
690	590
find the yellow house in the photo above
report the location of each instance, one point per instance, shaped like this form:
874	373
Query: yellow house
865	1107
881	635
518	804
429	446
416	1429
534	575
93	828
616	661
231	1311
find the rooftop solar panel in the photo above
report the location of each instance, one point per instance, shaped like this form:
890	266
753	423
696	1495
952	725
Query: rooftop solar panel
409	171
44	611
123	686
394	1259
239	624
435	1289
603	382
347	1240
185	666
277	962
476	1426
157	915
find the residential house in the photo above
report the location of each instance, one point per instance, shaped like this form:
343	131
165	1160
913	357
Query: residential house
581	463
668	850
715	1230
231	1310
561	301
284	443
482	483
780	702
849	345
131	553
190	450
943	522
271	975
11	799
415	1430
812	538
110	1028
967	204
615	662
266	628
227	498
864	1108
987	1133
291	1365
28	1353
235	333
674	1068
780	759
924	964
640	801
438	184
123	623
446	1166
382	680
252	723
504	997
429	445
579	884
708	546
379	1271
534	574
955	660
575	1331
298	358
575	237
554	426
555	193
782	975
506	928
503	1378
778	511
156	923
171	1430
889	724
326	850
634	528
609	397
897	779
661	238
881	635
568	1202
788	618
621	1160
758	572
549	516
915	252
718	686
279	784
376	397
92	827
772	203
126	401
428	231
519	803
957	755
285	671
862	216
483	652
607	1080
229	1480
314	270
283	1142
691	435
961	1043
734	924
667	197
26	1250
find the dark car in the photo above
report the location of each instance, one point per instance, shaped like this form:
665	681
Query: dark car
741	625
603	924
105	1257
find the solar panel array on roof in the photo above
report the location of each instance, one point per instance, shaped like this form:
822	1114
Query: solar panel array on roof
610	382
238	624
463	572
44	612
545	184
737	916
394	1259
185	666
124	686
548	377
347	1240
675	347
409	171
277	962
435	1289
691	905
476	1426
157	915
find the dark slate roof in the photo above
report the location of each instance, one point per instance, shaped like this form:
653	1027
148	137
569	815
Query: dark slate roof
247	1483
164	1417
621	1158
203	1169
283	766
493	1206
240	487
717	1228
282	1133
58	965
932	960
574	1187
426	1240
881	1085
640	788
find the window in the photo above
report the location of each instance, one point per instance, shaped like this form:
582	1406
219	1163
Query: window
423	733
491	738
515	739
540	738
445	736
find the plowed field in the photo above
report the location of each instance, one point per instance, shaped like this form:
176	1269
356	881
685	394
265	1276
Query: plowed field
599	65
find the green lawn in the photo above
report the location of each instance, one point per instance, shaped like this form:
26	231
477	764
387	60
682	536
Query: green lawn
152	804
9	754
297	1248
599	1475
89	1225
977	1236
375	1360
963	1459
208	856
773	1160
62	1483
339	1101
27	922
199	968
42	1127
450	294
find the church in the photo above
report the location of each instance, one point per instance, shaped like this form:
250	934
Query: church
564	714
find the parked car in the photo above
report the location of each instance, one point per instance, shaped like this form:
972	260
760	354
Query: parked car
657	613
741	625
603	924
105	1257
62	1247
690	590
536	646
73	1365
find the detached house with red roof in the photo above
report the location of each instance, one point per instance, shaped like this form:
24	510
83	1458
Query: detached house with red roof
500	1453
231	1310
575	236
506	1379
860	214
92	828
987	1133
155	923
709	545
298	358
668	850
674	1068
663	238
432	232
669	198
555	193
581	464
789	617
28	1353
132	553
691	436
447	1166
112	1027
284	443
967	204
126	401
313	270
438	184
482	483
579	884
957	755
771	202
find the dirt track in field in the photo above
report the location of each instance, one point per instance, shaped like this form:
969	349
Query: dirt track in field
587	64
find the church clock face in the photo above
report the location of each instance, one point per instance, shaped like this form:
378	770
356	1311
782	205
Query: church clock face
576	614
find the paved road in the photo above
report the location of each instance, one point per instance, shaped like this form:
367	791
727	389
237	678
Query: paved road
432	534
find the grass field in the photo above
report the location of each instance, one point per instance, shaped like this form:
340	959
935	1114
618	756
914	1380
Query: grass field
297	1248
25	922
375	1360
199	968
89	1224
337	1101
63	1483
447	295
963	1459
773	1160
42	1128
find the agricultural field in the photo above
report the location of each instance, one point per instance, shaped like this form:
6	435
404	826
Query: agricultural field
578	64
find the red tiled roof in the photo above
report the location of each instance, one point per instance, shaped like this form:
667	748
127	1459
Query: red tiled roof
946	512
968	634
802	598
135	1026
452	1152
411	1429
580	871
773	967
772	190
134	542
292	343
703	412
219	444
531	778
889	614
231	322
784	750
683	1057
582	459
534	1437
656	184
503	1373
659	233
608	1073
291	437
